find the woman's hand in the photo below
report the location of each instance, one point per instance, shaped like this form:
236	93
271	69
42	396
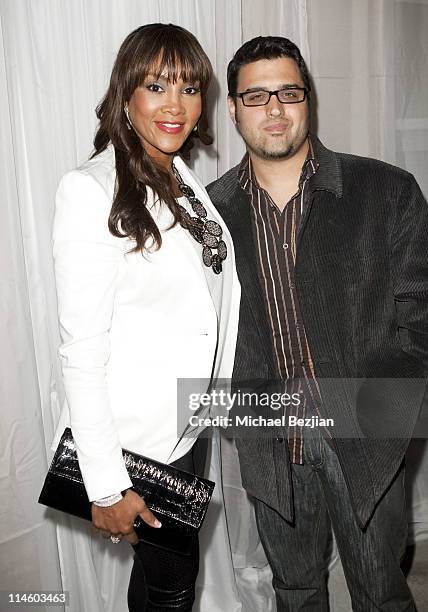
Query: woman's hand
118	520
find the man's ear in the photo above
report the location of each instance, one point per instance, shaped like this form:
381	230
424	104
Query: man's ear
232	108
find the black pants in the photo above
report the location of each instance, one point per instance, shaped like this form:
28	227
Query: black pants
298	552
161	580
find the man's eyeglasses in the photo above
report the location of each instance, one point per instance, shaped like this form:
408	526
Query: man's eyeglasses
261	97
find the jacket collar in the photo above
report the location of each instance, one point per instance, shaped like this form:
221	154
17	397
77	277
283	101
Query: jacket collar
329	175
237	216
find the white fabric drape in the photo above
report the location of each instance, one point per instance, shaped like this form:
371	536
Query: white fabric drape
368	60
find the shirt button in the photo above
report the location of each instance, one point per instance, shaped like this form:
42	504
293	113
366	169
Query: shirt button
280	440
291	285
285	246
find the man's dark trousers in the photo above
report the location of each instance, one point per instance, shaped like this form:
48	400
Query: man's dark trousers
298	552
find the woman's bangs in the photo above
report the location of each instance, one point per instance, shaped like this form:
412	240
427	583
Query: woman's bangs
180	62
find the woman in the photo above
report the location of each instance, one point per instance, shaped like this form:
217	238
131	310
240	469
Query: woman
146	289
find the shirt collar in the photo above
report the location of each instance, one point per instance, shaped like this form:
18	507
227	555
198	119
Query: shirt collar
311	165
245	173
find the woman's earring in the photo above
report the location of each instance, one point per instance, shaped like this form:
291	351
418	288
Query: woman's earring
195	129
128	121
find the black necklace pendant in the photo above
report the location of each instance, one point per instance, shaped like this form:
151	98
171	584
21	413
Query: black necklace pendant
207	232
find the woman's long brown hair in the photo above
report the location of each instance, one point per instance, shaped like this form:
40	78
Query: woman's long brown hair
150	49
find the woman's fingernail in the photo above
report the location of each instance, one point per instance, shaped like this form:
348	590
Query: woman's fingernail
157	523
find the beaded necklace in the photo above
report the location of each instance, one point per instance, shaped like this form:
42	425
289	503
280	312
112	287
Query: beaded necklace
207	232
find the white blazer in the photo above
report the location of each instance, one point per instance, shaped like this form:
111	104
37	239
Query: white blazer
132	324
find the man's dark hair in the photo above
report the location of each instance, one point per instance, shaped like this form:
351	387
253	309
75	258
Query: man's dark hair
264	47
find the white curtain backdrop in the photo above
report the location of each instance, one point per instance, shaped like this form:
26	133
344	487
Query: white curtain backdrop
368	59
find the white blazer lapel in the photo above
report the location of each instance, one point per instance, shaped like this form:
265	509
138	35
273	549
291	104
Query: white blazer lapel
224	288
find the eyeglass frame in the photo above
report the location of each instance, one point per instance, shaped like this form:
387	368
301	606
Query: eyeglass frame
241	95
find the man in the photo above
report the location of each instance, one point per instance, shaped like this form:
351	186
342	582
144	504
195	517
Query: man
332	257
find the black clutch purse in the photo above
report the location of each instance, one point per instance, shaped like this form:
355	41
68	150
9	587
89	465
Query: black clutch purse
179	499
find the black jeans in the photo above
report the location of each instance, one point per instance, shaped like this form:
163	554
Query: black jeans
298	552
161	580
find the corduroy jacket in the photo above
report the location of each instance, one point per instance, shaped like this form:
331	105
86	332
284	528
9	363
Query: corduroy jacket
361	277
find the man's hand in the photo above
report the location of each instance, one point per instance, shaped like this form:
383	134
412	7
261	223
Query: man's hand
118	520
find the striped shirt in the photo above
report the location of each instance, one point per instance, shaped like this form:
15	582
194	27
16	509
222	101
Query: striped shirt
275	234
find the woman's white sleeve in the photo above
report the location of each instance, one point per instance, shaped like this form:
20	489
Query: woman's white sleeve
87	262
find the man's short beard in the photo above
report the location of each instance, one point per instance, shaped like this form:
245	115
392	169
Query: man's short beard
290	151
274	155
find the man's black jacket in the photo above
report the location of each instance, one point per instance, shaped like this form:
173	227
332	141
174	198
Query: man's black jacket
362	282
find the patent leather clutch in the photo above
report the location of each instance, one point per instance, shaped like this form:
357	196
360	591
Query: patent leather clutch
179	499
